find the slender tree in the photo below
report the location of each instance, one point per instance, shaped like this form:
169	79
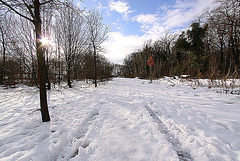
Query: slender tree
32	11
71	31
24	48
3	43
97	34
7	26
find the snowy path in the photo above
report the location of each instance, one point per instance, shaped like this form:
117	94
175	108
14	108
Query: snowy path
125	119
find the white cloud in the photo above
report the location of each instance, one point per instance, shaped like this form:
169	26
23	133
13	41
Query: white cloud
171	18
146	18
150	25
120	7
176	18
184	12
119	45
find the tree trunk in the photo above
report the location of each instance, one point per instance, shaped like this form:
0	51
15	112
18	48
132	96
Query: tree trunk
47	70
34	77
47	79
21	70
151	74
95	66
1	75
59	65
69	75
41	64
4	58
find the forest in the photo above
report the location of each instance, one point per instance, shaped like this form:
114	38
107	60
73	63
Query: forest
208	49
52	59
70	41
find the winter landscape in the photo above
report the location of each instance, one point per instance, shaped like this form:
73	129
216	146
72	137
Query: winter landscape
123	119
119	80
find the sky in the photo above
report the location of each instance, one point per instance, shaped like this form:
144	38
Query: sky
134	22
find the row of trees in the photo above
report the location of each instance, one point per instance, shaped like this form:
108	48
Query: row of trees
209	49
70	53
49	41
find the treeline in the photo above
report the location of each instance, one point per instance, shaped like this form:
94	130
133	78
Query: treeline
71	44
209	49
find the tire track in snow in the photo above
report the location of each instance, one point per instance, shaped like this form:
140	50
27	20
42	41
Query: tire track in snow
182	154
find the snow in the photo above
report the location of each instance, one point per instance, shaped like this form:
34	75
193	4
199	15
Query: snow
124	119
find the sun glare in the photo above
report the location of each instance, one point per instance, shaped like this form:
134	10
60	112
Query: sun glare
45	41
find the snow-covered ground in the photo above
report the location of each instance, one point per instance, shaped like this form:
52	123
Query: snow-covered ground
124	119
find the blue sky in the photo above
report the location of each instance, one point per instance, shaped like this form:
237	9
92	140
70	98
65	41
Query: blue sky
133	22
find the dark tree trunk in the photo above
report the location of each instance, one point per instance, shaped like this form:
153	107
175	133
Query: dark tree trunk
236	46
221	65
1	75
95	66
33	8
47	80
59	66
34	77
59	72
4	58
47	70
41	64
21	70
69	76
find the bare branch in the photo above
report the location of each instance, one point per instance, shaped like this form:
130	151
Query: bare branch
49	1
14	10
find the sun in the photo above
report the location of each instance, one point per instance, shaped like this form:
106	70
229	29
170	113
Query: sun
45	41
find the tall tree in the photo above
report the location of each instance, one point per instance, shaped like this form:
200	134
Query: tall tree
3	43
7	26
24	48
46	32
167	44
97	34
224	35
196	37
71	31
57	41
31	10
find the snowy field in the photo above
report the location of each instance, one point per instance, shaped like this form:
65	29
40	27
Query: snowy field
122	120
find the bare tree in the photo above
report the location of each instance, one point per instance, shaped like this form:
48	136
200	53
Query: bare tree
23	47
97	34
223	32
47	32
3	43
31	10
167	41
71	36
57	41
7	26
